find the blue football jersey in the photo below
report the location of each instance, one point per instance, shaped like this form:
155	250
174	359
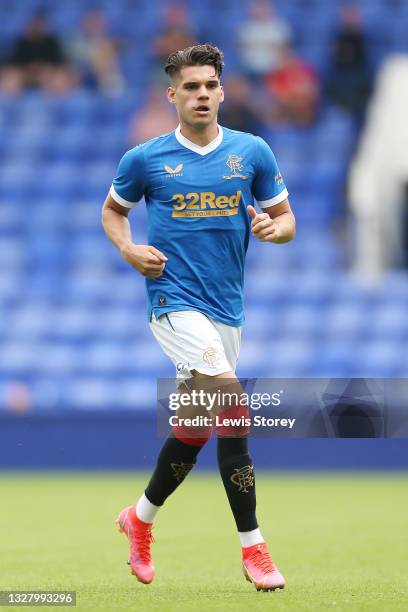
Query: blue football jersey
196	200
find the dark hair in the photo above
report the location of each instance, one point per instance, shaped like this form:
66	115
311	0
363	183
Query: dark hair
198	55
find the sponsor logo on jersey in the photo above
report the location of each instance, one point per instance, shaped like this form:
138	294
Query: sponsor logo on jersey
205	204
278	179
234	164
177	171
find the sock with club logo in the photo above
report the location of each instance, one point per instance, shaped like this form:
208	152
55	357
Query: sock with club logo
237	473
174	462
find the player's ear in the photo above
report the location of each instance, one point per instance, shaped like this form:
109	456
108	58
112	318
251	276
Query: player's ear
171	92
222	94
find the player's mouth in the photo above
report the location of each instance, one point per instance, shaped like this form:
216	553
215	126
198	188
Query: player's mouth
202	109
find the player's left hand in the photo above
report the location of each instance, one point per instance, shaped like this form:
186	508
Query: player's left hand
263	227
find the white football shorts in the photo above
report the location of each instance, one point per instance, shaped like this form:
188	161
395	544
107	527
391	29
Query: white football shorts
193	341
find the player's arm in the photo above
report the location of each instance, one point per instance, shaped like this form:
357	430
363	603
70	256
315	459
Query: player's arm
146	259
275	224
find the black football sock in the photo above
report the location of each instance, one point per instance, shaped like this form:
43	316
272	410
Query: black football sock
174	462
237	473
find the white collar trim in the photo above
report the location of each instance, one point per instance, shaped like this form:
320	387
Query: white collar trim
197	148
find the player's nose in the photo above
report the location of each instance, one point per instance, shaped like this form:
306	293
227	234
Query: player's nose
203	93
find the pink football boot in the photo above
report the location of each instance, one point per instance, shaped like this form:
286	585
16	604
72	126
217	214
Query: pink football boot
140	538
259	568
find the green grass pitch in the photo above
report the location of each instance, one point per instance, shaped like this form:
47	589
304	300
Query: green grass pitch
340	540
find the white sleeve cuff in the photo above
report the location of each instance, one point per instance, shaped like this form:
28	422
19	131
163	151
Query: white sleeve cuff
276	200
119	198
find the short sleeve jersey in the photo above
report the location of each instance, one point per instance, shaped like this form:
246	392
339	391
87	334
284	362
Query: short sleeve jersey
196	200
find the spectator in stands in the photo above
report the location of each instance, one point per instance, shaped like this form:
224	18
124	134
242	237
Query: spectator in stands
155	118
294	90
37	61
95	55
349	80
241	109
262	40
18	398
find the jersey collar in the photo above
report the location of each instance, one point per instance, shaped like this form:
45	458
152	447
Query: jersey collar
197	148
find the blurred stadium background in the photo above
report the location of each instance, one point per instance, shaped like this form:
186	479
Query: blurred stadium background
78	365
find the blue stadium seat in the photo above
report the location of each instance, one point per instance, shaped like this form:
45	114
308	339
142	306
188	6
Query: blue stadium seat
72	313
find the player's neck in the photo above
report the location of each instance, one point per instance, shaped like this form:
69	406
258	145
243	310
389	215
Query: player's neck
201	137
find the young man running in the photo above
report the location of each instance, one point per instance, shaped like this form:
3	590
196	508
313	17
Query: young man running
199	183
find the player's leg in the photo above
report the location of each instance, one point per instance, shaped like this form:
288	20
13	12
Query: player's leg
176	458
237	470
235	464
237	473
182	342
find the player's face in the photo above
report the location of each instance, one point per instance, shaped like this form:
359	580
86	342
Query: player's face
197	94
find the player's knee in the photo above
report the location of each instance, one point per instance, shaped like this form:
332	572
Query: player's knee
233	422
191	435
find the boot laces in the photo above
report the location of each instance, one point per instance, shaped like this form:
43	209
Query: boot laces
143	539
262	560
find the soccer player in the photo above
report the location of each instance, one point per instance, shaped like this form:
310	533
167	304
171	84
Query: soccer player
199	183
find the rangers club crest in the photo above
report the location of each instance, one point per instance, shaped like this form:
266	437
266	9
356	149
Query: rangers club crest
234	164
243	478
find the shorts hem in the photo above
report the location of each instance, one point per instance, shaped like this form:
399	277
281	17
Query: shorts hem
206	371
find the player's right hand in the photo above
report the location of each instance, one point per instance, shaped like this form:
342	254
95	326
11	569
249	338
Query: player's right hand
146	259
